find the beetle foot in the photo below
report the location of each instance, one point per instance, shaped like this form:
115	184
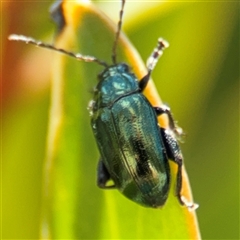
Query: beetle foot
190	205
179	133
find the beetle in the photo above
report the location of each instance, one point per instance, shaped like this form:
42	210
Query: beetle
135	150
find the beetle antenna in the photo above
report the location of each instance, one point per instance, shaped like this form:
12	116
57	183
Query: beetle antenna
114	55
38	43
156	54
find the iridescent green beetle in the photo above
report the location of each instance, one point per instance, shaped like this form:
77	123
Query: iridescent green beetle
134	149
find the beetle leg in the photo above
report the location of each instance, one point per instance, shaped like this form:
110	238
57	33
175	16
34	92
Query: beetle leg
144	81
174	154
103	176
173	126
152	61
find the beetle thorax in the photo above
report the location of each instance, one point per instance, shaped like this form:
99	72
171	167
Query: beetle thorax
115	83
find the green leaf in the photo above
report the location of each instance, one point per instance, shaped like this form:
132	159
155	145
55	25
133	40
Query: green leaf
73	206
198	76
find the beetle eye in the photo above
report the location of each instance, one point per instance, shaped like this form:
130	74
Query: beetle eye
125	67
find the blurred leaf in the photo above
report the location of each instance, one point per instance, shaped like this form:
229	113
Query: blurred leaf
24	108
203	95
74	207
23	142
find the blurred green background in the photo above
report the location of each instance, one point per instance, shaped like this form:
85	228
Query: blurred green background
198	77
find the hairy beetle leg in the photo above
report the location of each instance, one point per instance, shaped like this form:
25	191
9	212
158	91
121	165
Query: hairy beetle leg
191	206
103	176
152	61
144	81
174	154
176	129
